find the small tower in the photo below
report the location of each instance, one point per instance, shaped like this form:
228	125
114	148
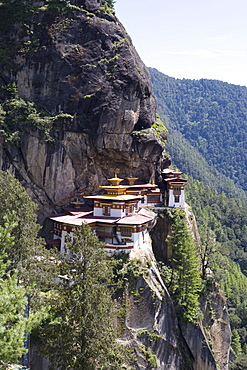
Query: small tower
174	185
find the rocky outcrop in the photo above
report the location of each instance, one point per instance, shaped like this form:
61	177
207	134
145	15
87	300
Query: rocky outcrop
209	339
80	64
151	326
153	331
216	323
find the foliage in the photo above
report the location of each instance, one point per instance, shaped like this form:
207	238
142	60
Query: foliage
14	323
25	268
18	115
151	335
13	11
240	363
185	283
132	269
28	255
159	130
220	219
79	333
211	117
159	125
57	6
110	3
236	345
167	273
150	358
12	304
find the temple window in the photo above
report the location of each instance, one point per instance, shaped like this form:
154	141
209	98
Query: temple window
176	198
129	209
177	190
106	210
126	231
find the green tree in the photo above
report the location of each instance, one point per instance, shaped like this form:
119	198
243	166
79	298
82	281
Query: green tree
236	345
240	363
28	254
14	324
80	333
186	281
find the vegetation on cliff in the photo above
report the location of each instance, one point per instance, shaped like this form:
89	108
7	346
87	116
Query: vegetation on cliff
13	301
23	268
183	274
69	301
78	332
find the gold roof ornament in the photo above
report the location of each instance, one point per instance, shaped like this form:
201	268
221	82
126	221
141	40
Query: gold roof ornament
115	188
115	181
131	180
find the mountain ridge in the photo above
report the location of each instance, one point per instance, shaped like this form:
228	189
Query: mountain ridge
211	116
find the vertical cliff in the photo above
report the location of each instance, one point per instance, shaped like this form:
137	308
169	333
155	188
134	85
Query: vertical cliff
79	65
208	338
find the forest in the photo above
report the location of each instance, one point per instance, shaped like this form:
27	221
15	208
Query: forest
211	117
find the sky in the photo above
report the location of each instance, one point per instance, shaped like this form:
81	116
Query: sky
189	38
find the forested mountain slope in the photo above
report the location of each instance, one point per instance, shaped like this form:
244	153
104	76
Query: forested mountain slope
209	115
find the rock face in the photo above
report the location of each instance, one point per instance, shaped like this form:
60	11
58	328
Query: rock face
81	62
216	320
209	339
152	328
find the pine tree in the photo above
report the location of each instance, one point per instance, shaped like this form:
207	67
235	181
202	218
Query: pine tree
28	254
14	324
186	281
80	334
236	345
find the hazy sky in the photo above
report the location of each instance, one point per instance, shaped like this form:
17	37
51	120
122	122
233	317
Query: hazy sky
189	38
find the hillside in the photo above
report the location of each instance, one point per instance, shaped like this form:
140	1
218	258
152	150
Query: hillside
207	121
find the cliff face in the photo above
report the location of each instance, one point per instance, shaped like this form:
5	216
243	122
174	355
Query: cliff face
153	331
80	64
